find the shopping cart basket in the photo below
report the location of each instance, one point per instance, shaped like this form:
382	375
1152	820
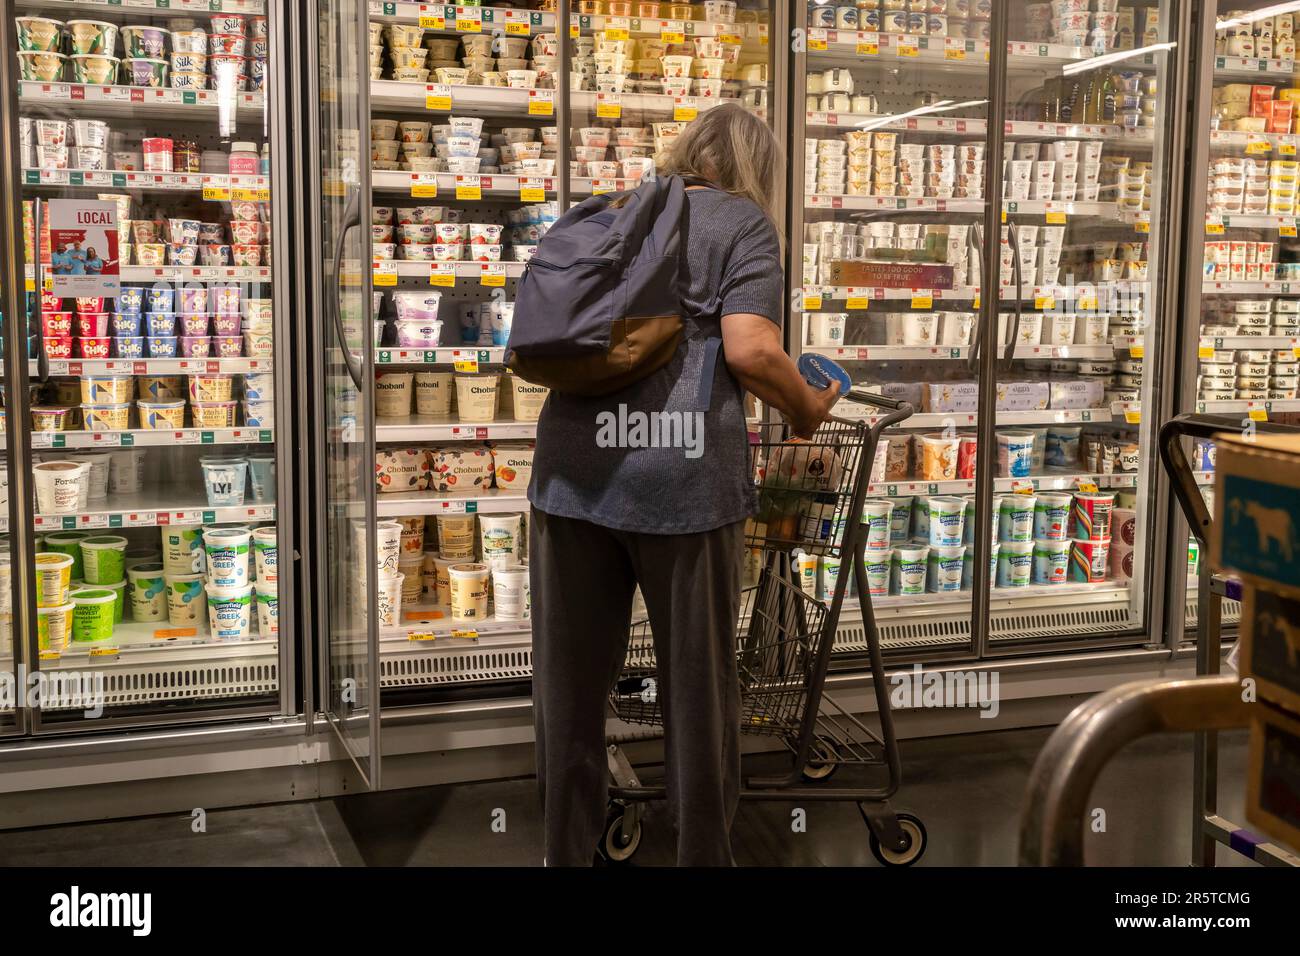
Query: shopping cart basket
810	497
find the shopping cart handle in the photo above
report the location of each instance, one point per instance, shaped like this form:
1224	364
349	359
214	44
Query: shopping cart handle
880	401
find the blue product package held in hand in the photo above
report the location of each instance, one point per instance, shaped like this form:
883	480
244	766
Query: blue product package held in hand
819	371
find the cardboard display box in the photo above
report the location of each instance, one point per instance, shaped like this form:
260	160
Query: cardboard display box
1256	533
1270	646
1273	782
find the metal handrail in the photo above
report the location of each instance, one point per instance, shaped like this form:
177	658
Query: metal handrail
1056	800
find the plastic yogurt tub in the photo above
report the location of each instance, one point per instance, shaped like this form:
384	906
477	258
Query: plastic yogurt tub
164	415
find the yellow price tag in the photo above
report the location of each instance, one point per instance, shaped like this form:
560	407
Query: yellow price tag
541	102
431	22
1287	229
812	303
469	188
1296	351
515	29
30	285
817	44
685	109
730	38
907	46
1043	303
975	303
1089	487
1142	225
954	53
103	652
1214	228
246	194
1136	351
468	633
601	186
333	187
1004	215
442	274
1286	149
494	275
856	303
574	31
1056	218
1258	414
465	365
609	105
383	277
868	49
424	186
616	34
532	190
672	36
1088	304
421	636
49	655
437	97
923	300
1133	416
1256	146
1205	353
216	193
468	24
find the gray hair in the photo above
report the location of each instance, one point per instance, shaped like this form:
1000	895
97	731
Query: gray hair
733	149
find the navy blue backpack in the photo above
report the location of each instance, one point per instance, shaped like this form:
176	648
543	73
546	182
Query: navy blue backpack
598	306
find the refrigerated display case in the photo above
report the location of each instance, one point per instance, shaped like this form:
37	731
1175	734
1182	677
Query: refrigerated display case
147	410
933	167
1240	345
469	133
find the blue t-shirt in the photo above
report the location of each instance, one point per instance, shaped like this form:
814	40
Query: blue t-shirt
595	457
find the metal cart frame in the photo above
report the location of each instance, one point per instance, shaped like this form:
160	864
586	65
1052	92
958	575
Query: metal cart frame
1051	832
819	733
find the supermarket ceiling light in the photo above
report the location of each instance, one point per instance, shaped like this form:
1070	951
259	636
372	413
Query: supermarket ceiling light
1093	63
1253	16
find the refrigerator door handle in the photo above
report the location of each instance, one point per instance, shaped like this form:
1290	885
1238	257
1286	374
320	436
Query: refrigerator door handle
351	219
975	246
1009	355
38	271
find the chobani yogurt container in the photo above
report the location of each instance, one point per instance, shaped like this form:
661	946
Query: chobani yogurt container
404	469
513	465
461	469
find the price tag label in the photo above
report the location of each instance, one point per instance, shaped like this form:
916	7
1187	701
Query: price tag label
517	25
1021	487
954	49
437	96
494	274
424	185
1088	487
1258	414
384	273
464	362
433	21
1133	416
1142	225
1087	303
907	46
672	36
467	633
1213	225
1205	353
685	109
601	186
541	102
248	194
817	40
532	190
1136	351
733	38
104	652
172	633
615	33
812	303
442	274
1255	145
1043	303
469	188
1286	148
421	636
868	49
856	302
216	193
1055	217
922	299
469	20
1287	228
609	105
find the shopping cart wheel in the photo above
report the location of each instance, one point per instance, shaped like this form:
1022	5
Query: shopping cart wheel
913	833
822	763
615	848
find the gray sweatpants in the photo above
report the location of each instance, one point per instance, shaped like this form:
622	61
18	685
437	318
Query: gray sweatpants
582	577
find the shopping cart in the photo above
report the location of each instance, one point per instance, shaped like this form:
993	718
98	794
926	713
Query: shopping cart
810	499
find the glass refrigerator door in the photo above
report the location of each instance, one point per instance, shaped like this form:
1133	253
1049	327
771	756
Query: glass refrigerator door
1240	350
1082	264
145	139
347	576
891	142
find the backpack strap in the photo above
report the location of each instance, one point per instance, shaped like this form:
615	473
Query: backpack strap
704	391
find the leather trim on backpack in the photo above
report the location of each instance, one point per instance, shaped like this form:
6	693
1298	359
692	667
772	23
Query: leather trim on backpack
639	345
